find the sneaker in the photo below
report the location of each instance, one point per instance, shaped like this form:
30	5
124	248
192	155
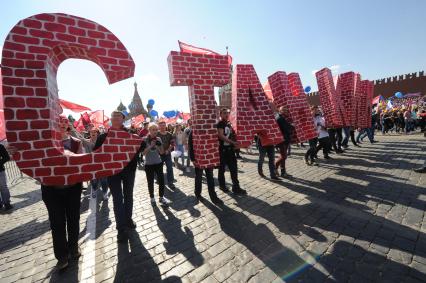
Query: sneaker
239	191
153	203
327	157
260	172
420	170
284	174
188	170
217	201
62	264
306	161
105	196
224	189
75	253
313	163
8	206
171	186
275	178
164	201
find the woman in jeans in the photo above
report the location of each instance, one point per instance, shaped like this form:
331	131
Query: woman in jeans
152	149
180	141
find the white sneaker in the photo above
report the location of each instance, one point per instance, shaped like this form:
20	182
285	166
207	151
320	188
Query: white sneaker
153	201
105	196
164	201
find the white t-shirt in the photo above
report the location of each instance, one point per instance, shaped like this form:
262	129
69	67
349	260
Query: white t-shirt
319	122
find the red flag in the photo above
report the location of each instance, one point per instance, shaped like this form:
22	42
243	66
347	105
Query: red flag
187	48
73	106
97	118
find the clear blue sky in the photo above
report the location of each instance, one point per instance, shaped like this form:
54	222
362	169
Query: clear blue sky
376	38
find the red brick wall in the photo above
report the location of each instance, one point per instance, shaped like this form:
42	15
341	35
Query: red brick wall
251	112
364	96
2	126
330	100
346	90
32	52
288	91
201	73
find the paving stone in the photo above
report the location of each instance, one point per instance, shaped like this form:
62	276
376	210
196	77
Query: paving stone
361	216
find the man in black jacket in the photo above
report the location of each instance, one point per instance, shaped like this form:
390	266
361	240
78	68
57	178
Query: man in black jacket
199	175
121	184
227	145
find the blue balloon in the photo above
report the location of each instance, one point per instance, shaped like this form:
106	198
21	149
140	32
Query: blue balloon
307	89
151	102
125	113
399	94
153	113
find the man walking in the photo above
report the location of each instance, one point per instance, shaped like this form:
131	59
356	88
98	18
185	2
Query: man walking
121	184
227	144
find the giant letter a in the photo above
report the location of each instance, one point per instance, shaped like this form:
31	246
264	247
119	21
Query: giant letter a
251	112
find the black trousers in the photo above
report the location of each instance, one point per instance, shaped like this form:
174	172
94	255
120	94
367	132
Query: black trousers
336	138
121	187
152	171
227	158
63	206
339	133
324	144
199	181
312	149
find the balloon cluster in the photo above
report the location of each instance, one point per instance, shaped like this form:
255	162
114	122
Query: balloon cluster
152	112
170	114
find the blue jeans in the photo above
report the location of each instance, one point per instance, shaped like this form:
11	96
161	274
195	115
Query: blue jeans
345	141
121	187
167	159
104	184
367	132
4	190
180	148
270	151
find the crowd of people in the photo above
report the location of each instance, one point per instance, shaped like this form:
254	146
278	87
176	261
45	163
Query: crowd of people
165	145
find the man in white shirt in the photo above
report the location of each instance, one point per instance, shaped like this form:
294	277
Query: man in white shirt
323	137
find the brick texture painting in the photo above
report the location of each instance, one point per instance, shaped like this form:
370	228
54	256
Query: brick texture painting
287	91
346	89
32	53
330	101
251	112
201	73
364	109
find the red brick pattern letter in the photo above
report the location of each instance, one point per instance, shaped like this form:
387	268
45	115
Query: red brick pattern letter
330	100
32	53
364	97
288	91
251	112
201	73
346	89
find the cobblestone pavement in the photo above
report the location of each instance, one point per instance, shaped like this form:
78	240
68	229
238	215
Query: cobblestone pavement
357	218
